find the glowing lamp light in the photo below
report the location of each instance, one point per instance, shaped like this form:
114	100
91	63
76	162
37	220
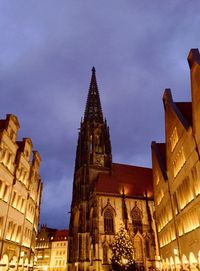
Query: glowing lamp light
175	251
124	261
45	268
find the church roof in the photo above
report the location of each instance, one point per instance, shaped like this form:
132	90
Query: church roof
136	181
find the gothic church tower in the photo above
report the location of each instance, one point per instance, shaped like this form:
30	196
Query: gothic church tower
106	194
93	156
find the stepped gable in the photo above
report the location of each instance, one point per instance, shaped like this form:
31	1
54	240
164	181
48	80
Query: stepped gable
136	181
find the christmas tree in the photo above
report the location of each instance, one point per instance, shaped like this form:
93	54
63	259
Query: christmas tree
122	251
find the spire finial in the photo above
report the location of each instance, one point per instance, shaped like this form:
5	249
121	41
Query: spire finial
93	106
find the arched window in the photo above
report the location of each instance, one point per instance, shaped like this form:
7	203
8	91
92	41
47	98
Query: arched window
147	248
136	215
108	222
138	248
105	254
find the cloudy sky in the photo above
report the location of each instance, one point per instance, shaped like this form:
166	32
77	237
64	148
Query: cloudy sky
47	50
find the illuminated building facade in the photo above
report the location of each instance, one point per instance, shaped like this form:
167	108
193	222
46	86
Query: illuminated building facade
176	174
51	249
20	193
106	194
59	251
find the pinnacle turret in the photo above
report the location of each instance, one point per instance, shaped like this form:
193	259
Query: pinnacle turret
93	109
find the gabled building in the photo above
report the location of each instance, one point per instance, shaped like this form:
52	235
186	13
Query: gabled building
176	175
106	194
51	249
20	194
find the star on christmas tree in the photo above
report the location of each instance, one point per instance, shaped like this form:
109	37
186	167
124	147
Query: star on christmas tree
122	251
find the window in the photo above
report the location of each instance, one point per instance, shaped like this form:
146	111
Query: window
9	230
174	139
105	254
138	251
108	222
147	248
5	193
136	215
18	234
179	161
195	177
1	225
14	199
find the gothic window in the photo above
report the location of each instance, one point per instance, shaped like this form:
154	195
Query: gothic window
138	249
147	248
80	247
91	144
136	215
105	254
108	222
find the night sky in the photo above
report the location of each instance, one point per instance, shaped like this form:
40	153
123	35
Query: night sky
47	50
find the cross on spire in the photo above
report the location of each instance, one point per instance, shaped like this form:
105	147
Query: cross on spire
93	109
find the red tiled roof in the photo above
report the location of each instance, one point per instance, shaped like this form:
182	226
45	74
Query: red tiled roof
60	235
135	181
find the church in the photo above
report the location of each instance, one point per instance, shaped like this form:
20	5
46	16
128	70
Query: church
105	195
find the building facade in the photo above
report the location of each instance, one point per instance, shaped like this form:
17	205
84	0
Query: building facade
20	194
51	249
176	174
106	194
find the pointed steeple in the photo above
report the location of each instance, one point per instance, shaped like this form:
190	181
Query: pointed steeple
93	109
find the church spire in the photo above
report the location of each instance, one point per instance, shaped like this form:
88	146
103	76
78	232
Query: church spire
93	109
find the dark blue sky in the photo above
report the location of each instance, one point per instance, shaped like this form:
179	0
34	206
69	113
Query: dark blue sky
47	50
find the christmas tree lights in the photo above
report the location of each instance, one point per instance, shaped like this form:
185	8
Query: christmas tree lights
122	251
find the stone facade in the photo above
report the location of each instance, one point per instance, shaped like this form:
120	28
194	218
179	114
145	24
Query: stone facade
176	174
20	193
105	195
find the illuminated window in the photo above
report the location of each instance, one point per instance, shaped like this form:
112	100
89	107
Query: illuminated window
9	231
1	189
13	233
184	193
1	225
108	221
18	234
173	139
196	180
22	209
179	162
191	221
5	193
159	196
175	203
